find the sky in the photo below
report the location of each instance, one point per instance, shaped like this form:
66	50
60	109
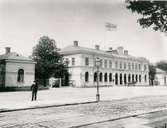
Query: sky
22	23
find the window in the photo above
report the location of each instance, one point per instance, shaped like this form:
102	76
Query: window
135	66
105	63
129	66
145	77
110	64
132	66
133	79
124	65
129	78
86	61
110	77
116	64
105	77
125	81
139	67
101	76
73	61
20	75
95	76
86	76
145	67
136	78
67	62
120	78
101	63
120	65
139	78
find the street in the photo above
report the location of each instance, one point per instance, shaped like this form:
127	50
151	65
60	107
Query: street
156	119
89	115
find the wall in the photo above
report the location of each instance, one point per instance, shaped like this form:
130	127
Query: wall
162	79
12	72
79	69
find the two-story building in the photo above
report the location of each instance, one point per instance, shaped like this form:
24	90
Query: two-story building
117	66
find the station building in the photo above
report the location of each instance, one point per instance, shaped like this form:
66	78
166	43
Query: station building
16	70
160	77
117	67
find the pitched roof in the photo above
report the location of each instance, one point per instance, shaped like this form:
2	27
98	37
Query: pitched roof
160	71
78	50
14	56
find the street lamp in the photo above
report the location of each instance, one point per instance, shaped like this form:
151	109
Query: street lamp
98	63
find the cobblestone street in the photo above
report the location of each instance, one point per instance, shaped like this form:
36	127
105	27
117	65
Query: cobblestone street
78	115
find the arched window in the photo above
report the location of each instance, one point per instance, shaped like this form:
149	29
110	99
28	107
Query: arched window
129	78
125	79
120	78
95	76
110	77
105	77
20	75
133	80
116	78
101	76
136	78
86	76
139	78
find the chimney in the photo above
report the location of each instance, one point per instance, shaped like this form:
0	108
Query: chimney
97	47
125	52
120	50
75	43
114	51
110	49
7	50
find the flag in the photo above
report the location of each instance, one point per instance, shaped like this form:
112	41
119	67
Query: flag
110	26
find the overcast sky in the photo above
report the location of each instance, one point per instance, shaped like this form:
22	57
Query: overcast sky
23	22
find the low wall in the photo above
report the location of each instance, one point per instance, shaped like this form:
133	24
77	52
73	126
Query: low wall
25	88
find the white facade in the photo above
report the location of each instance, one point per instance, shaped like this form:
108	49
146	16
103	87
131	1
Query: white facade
117	67
161	77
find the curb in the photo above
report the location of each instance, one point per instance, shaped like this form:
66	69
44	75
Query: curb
45	106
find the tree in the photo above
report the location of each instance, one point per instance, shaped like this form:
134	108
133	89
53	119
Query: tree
154	13
162	65
152	72
48	60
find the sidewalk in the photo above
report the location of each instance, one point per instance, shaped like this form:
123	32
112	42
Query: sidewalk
11	101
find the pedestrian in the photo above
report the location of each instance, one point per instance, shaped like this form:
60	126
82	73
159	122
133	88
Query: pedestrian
34	88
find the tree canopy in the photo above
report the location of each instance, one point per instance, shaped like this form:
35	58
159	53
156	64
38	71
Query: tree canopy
49	61
153	14
152	72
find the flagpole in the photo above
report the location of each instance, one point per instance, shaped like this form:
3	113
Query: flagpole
108	27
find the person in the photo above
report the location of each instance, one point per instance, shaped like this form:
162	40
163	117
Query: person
34	88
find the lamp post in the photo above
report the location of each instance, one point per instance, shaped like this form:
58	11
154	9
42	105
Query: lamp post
98	62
